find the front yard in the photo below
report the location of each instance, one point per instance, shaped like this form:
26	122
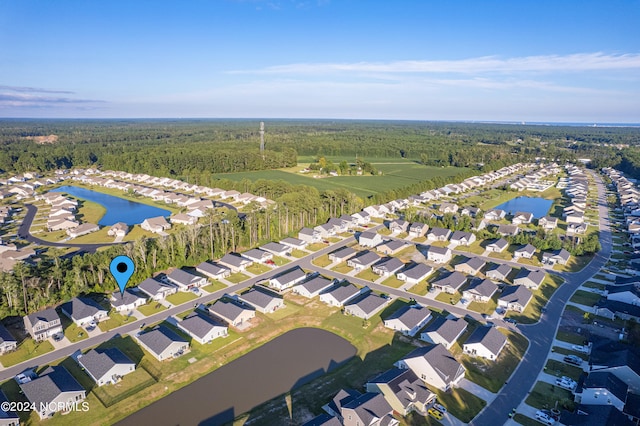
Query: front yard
152	307
181	297
586	298
27	349
545	396
531	313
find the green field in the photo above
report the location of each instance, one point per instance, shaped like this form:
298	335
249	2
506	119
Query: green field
395	174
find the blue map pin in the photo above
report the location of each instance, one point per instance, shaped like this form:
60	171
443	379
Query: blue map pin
122	268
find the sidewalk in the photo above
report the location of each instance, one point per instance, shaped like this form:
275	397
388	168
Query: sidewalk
478	390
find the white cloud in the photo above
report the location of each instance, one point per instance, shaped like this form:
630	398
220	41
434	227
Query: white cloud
548	63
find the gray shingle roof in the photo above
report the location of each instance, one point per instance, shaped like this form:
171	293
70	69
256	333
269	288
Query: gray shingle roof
211	268
502	269
228	309
448	329
390	264
489	337
365	258
474	263
370	406
81	307
411	316
183	277
316	283
368	235
49	385
344	292
98	362
46	315
290	275
417	271
153	287
407	387
5	336
128	297
526	249
438	250
484	288
440	359
454	280
608	381
233	259
393	245
199	324
259	298
439	232
6	415
343	253
159	339
275	247
256	254
516	294
459	235
535	276
369	303
501	243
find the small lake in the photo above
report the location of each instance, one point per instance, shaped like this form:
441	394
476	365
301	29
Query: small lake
285	363
118	209
537	206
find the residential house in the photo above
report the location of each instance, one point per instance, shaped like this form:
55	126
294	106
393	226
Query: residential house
438	234
470	211
403	390
369	239
439	254
8	343
262	300
444	331
418	229
277	249
462	238
7	417
391	247
183	219
235	262
43	324
163	343
495	214
498	246
561	257
52	391
524	252
613	309
106	366
602	388
522	218
548	223
186	280
156	290
83	229
435	366
287	279
414	274
470	265
595	415
295	243
485	342
623	360
451	283
576	217
362	218
84	311
515	298
397	226
119	229
155	224
213	270
313	287
339	296
480	290
127	300
363	260
369	409
507	230
365	306
448	208
61	224
202	328
530	279
576	228
325	231
232	312
258	256
409	319
342	254
628	293
388	266
309	235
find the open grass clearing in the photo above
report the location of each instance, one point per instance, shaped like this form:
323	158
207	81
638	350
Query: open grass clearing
586	298
236	278
258	269
214	286
448	298
152	307
181	297
322	261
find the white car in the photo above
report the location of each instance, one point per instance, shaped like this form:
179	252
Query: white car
22	378
566	383
544	418
440	408
580	348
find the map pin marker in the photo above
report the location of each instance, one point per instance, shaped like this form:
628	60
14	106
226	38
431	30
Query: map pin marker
122	268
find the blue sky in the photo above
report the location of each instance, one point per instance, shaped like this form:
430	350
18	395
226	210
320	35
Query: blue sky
524	60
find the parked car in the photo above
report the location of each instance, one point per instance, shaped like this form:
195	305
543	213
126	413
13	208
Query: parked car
580	348
573	359
566	383
435	413
440	407
510	320
544	418
22	378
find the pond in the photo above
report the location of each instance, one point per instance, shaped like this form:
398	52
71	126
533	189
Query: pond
285	363
536	205
118	209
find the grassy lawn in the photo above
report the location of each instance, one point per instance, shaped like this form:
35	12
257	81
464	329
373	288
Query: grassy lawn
72	331
181	297
493	374
151	308
534	261
564	351
569	337
258	269
115	320
214	286
289	309
393	282
136	233
559	369
27	349
322	261
448	298
88	211
525	421
421	288
316	246
368	275
545	396
473	248
237	277
279	261
575	264
461	403
531	313
585	298
342	268
298	253
419	239
591	284
484	308
505	255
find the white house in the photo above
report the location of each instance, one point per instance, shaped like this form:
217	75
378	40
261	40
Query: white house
106	366
409	319
485	342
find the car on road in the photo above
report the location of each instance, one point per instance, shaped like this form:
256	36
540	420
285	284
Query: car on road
435	413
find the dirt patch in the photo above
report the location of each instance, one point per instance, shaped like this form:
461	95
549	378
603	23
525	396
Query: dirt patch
43	140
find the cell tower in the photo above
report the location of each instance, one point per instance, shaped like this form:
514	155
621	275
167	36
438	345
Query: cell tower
262	137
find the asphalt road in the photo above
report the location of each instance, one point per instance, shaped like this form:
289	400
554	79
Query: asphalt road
541	334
